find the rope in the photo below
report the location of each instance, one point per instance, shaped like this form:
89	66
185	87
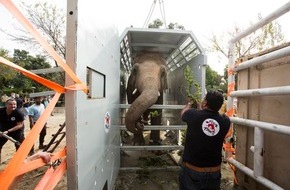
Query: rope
150	13
162	11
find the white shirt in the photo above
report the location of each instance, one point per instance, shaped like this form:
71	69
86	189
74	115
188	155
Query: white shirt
35	111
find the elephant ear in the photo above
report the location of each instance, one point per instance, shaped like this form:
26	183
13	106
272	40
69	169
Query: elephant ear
163	79
131	85
133	76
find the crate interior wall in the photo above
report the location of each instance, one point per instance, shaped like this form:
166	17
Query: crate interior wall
272	109
180	48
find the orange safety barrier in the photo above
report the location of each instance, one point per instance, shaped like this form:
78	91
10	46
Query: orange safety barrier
228	144
51	178
235	173
16	166
230	71
231	88
11	171
34	164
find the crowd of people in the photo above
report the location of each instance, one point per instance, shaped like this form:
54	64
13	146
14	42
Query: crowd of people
13	114
206	131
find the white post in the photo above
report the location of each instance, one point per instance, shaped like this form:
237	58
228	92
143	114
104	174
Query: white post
258	152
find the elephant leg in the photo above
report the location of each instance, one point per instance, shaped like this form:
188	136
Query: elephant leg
145	117
138	139
155	137
155	134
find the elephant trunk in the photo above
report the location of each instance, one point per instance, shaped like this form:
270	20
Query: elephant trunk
147	98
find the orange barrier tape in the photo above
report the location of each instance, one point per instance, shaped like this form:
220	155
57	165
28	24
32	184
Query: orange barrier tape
8	175
230	71
76	87
34	164
230	112
230	132
228	147
51	180
52	85
19	16
234	170
231	88
44	179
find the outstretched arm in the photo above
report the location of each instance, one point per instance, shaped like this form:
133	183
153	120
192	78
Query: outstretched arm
46	156
187	107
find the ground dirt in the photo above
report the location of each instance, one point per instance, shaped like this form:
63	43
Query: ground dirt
128	179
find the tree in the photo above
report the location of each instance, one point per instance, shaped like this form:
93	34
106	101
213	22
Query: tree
269	36
49	20
12	80
175	26
213	80
157	23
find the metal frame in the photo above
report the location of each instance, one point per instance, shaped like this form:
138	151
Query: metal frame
259	127
177	46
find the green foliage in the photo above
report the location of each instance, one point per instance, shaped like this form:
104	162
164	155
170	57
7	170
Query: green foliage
154	114
193	89
4	53
175	26
13	81
267	37
151	161
214	81
157	23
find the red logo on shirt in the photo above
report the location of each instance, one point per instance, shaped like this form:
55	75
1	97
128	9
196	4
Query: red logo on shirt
210	127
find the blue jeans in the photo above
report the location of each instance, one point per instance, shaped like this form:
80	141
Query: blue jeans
192	180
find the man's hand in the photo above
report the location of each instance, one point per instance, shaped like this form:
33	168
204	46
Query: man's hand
3	133
45	156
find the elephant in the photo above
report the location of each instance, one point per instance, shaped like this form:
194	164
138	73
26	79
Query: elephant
145	87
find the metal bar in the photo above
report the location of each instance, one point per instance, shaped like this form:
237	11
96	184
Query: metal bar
155	106
159	147
38	94
48	70
9	138
153	45
282	90
276	14
284	129
249	172
159	127
258	151
264	58
165	168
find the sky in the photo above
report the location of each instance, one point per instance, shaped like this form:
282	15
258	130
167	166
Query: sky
203	18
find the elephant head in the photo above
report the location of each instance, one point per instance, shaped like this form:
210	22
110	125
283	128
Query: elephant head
145	87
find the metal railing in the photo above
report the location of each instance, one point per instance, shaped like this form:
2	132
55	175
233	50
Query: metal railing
259	127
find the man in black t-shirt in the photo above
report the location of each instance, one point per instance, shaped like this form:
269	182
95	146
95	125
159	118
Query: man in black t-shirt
206	130
11	123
